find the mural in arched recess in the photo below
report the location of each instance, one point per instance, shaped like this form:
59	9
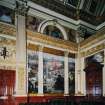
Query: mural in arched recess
53	28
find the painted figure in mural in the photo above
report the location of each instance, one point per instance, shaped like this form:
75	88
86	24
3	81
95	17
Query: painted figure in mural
33	24
30	87
5	15
36	86
53	31
59	84
71	82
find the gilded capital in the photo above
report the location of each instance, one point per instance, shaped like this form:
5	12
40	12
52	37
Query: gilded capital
21	7
41	48
66	53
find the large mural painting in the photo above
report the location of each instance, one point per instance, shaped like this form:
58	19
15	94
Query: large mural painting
7	15
32	72
53	73
53	31
71	76
33	23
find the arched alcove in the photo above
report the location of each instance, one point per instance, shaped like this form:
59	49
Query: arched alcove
42	27
53	31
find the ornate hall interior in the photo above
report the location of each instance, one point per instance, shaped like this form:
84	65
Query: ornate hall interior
52	52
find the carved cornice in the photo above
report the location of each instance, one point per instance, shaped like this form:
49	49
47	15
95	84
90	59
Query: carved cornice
7	29
40	38
98	37
32	47
47	40
93	44
93	50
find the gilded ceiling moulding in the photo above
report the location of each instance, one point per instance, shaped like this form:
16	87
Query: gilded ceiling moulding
34	36
93	50
99	37
40	38
7	29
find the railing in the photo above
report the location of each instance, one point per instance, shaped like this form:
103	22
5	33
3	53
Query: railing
64	102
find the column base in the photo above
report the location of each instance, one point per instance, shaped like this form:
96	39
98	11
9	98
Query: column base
20	93
40	94
66	94
79	94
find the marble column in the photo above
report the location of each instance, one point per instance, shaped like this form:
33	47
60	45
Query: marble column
79	66
104	76
21	85
83	79
78	73
40	71
20	55
66	77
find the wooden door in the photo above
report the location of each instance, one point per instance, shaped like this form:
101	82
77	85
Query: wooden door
7	84
94	83
94	80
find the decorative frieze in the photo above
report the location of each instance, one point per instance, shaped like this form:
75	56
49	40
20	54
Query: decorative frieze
33	36
99	37
40	38
7	29
93	50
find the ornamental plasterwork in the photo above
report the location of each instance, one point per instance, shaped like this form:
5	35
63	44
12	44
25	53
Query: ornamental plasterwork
93	50
10	58
7	29
21	78
99	37
40	38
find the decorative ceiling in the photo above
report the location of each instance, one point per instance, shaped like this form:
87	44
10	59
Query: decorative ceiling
91	11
